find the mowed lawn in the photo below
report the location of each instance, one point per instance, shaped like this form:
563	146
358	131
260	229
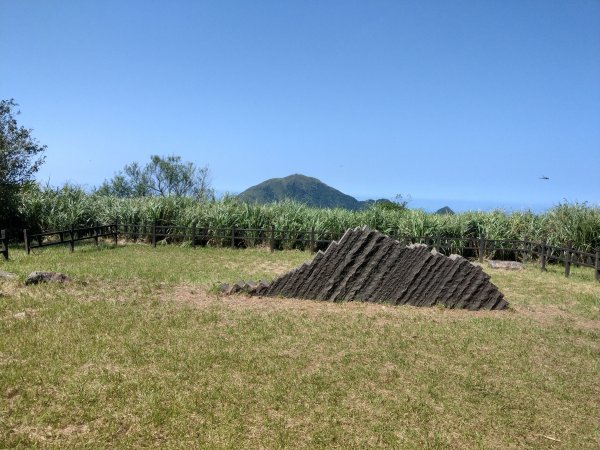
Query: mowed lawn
139	351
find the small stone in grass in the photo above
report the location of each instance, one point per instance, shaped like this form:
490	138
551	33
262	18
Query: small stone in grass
45	277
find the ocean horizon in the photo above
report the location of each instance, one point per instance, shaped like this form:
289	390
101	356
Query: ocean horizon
432	205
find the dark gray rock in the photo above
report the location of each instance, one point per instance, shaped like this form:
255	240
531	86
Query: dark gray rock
223	288
241	287
506	265
369	266
46	277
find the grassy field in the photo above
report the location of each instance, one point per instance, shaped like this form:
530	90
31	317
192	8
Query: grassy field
138	351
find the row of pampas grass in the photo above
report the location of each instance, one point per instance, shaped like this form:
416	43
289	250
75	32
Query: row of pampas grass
54	209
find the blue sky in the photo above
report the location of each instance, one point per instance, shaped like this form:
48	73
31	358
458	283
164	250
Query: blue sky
468	102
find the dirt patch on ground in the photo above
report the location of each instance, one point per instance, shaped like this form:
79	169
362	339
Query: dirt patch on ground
551	314
197	296
542	314
44	434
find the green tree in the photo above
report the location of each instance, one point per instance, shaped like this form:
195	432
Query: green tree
132	181
162	176
400	203
20	158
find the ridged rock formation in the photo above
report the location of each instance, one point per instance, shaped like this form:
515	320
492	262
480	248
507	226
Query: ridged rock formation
369	266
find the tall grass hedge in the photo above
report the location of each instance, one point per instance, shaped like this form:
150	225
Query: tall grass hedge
52	209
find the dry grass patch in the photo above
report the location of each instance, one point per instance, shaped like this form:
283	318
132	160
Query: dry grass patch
552	314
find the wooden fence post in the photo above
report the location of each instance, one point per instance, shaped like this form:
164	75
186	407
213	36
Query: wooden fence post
154	233
96	233
481	248
4	240
71	238
543	255
438	242
194	235
312	240
525	256
597	264
26	240
233	236
272	240
116	234
568	258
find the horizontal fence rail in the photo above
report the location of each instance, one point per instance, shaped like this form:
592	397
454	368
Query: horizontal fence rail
197	235
68	237
229	237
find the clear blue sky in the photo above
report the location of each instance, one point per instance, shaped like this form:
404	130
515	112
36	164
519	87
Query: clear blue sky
466	101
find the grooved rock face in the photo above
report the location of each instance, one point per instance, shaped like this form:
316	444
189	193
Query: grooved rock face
369	266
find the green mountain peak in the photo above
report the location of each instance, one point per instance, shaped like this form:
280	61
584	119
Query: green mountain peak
300	188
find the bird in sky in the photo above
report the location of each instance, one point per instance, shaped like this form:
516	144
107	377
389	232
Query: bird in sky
544	177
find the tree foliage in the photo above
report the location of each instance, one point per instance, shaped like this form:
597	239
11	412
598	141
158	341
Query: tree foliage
162	176
400	203
20	158
19	151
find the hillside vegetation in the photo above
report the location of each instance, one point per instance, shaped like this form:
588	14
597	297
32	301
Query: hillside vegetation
51	209
300	188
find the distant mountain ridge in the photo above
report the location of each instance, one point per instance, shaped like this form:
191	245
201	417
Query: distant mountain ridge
314	193
308	190
445	210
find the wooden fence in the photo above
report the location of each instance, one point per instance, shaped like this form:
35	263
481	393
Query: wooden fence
4	244
471	247
230	237
68	237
